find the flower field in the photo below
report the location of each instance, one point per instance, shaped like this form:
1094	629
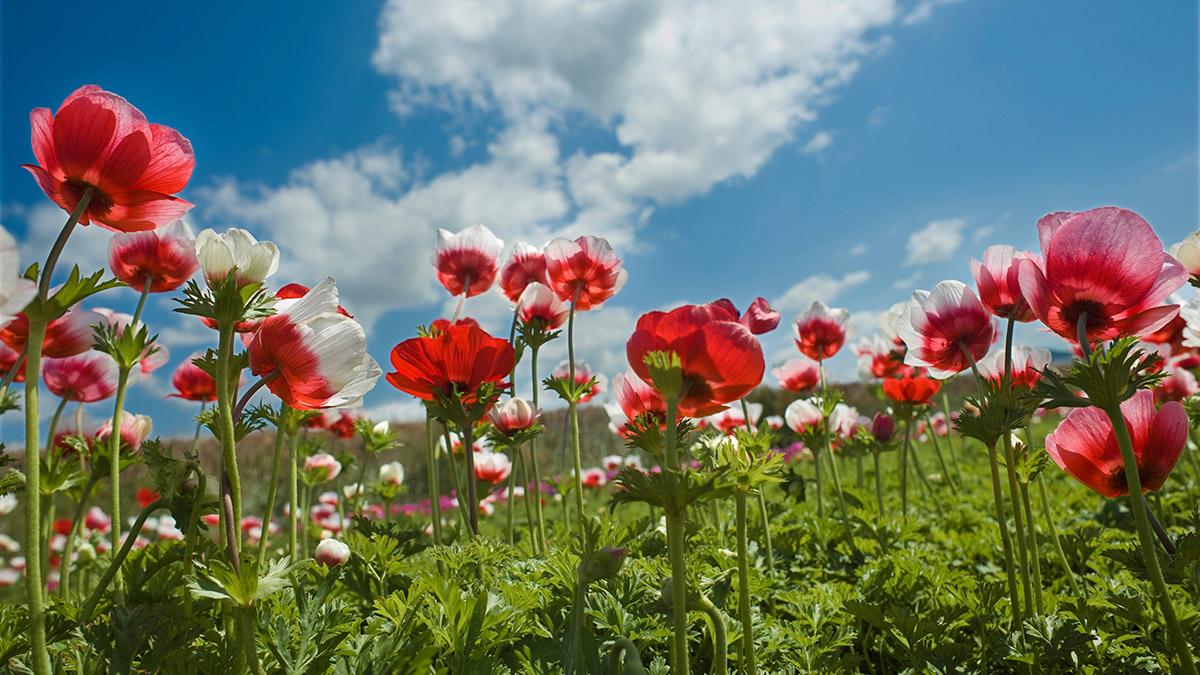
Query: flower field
971	504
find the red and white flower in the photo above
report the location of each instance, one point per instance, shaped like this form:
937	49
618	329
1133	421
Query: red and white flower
492	467
134	430
877	359
191	383
585	270
939	326
314	356
800	375
98	140
731	419
467	261
1027	366
820	332
583	373
166	257
513	415
525	265
538	303
322	468
391	473
802	416
15	291
68	335
86	378
594	477
331	552
998	281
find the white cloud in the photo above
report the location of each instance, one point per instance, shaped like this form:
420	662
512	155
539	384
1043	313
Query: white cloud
87	247
820	141
817	287
878	116
936	242
909	282
924	10
858	249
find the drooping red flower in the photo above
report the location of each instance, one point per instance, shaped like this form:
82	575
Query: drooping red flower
68	335
800	375
912	389
760	317
938	326
459	359
1107	263
98	140
467	261
86	378
1085	445
146	497
191	383
721	359
997	279
165	257
820	332
586	270
635	397
525	265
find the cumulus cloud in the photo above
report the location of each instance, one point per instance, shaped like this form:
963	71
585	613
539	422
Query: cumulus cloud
936	242
820	141
821	287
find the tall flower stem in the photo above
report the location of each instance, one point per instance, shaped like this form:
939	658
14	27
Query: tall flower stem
817	473
141	305
69	548
1058	547
762	510
435	497
1146	540
472	500
878	483
748	660
573	414
458	486
1010	465
189	538
114	474
1005	540
1035	563
937	449
272	489
529	517
833	461
511	491
533	456
199	426
293	495
720	640
904	449
950	445
34	546
225	394
676	517
110	574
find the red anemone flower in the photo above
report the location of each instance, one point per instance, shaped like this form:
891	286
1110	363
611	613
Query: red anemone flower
98	140
1106	263
938	326
721	359
466	261
525	265
997	279
912	389
1026	370
146	497
539	303
193	384
343	427
820	332
8	359
1085	445
86	378
460	358
585	270
800	375
635	397
165	257
68	335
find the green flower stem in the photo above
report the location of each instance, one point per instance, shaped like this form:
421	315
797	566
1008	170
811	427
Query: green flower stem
533	456
458	486
245	638
114	475
1058	547
472	499
48	502
110	574
748	660
529	517
1164	537
1034	557
225	391
196	435
573	414
720	641
937	449
762	511
137	313
904	449
577	612
950	445
189	537
272	489
1005	540
816	452
294	496
1014	493
833	461
517	465
64	585
1146	540
435	497
676	518
878	484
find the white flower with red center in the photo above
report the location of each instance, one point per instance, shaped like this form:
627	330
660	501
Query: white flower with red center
594	478
845	420
391	473
612	463
85	378
15	290
774	422
820	332
946	329
802	416
134	430
1027	365
731	419
539	304
633	462
322	467
492	467
166	257
235	252
312	355
585	270
525	265
800	375
331	552
97	520
467	261
513	415
583	373
998	281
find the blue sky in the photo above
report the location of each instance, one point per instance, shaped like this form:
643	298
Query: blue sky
797	158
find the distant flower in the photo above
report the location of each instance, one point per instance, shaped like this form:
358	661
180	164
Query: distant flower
165	257
492	467
391	473
134	430
97	520
585	270
344	426
802	416
612	463
146	497
460	358
322	467
1187	252
1085	445
15	290
877	359
235	252
513	415
526	265
594	478
1106	263
331	552
68	335
998	281
939	326
583	373
1027	366
467	261
315	356
912	389
731	419
820	332
191	383
539	304
883	427
86	378
801	375
98	140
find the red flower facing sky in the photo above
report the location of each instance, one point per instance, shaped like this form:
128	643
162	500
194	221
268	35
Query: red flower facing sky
525	265
759	317
877	359
997	279
68	335
1085	446
1108	263
166	257
937	326
539	303
1027	366
86	378
193	384
721	359
635	397
820	332
913	389
98	140
467	261
800	375
460	358
318	355
586	267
